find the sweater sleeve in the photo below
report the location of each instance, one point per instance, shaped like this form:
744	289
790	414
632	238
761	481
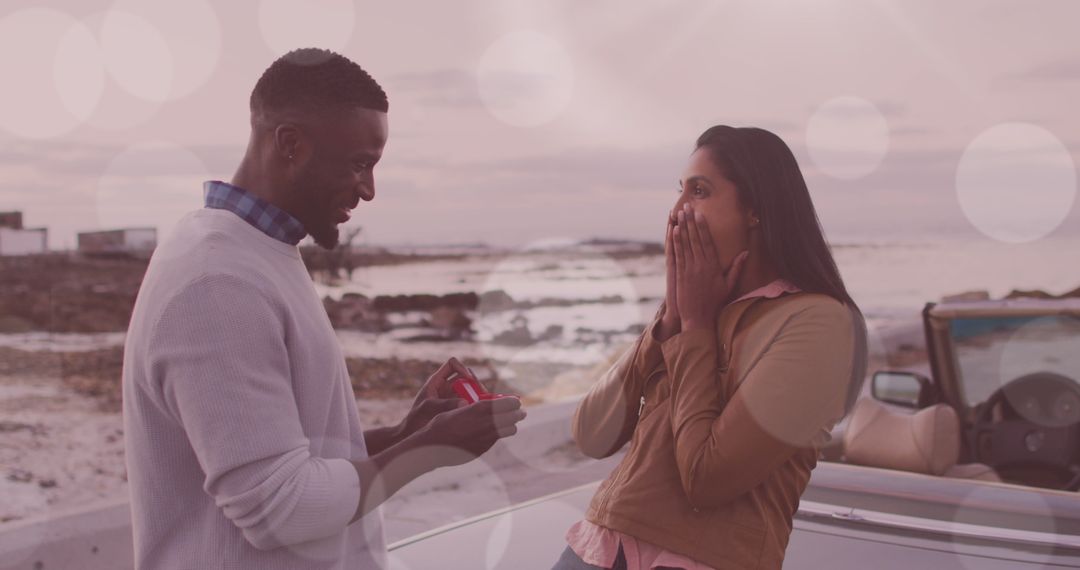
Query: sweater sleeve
218	356
796	390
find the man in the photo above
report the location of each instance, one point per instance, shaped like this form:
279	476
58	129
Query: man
244	445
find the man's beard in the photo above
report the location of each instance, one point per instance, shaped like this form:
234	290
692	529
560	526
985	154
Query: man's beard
318	222
326	235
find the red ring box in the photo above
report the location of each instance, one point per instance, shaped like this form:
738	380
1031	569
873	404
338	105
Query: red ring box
472	391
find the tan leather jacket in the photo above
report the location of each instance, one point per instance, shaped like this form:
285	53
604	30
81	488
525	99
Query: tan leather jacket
722	441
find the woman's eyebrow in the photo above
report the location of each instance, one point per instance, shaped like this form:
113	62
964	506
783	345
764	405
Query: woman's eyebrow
695	178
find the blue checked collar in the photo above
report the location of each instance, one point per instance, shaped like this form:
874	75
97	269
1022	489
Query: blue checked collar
263	215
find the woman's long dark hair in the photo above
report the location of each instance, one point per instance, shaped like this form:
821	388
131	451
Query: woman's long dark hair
768	180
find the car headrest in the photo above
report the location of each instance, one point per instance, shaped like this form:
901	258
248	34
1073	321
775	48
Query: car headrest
926	441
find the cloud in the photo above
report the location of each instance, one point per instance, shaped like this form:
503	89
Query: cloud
911	194
65	158
909	130
839	110
1061	70
453	88
915	175
622	193
577	170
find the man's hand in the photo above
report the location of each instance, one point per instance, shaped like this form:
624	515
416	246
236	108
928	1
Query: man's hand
702	287
447	435
669	322
434	398
473	428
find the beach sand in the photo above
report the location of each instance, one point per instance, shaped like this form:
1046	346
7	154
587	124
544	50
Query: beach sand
59	449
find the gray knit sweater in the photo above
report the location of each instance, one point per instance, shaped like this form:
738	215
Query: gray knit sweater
239	418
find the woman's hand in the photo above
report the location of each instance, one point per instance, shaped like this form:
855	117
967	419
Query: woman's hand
669	322
701	285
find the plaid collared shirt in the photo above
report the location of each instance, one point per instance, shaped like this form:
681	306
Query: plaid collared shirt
268	218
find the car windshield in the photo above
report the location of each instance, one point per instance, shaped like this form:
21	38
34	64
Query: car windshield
991	351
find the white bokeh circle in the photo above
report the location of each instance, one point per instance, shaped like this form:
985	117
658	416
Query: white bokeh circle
783	414
1016	182
532	276
847	137
327	550
394	562
137	55
287	25
448	495
499	541
119	110
1046	344
192	33
78	71
32	534
535	447
151	184
526	79
56	69
529	531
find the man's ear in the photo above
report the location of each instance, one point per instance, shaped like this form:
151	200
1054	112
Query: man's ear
752	219
289	143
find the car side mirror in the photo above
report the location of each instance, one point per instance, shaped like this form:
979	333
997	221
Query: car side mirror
906	389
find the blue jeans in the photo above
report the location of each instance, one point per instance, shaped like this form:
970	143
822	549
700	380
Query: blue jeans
571	561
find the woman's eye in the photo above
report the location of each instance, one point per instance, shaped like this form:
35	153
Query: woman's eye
696	190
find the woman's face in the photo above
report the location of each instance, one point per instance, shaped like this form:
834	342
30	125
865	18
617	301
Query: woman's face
704	187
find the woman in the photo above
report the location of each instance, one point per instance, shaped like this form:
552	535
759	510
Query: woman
756	352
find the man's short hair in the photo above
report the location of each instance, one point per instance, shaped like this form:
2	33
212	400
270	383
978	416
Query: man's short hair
311	80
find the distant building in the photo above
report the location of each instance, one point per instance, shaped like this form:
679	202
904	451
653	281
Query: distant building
11	220
23	242
129	242
15	240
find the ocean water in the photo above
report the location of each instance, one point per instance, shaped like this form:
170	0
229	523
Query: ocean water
886	279
900	277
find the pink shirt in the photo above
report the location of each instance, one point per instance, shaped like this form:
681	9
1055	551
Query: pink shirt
599	546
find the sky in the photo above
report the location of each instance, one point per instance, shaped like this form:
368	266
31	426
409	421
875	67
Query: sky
517	122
